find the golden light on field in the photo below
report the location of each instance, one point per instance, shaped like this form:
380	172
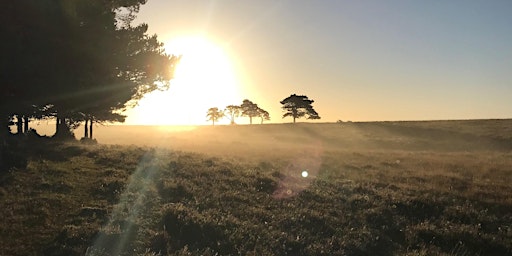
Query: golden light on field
204	78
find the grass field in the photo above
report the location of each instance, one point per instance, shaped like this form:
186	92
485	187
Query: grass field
381	188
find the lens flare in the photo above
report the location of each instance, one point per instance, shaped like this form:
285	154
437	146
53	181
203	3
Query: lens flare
293	181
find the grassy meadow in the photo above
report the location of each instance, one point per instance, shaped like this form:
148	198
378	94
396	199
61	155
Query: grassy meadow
376	188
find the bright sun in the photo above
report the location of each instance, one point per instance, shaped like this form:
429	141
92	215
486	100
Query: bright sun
204	78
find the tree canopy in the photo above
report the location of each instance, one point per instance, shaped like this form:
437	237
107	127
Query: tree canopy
214	115
249	109
264	115
298	106
77	60
232	112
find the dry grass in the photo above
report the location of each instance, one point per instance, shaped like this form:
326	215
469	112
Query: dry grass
372	189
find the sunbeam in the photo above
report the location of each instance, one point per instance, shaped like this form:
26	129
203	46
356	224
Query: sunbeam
120	233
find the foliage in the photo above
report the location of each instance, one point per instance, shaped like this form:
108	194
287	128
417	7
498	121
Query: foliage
264	115
232	112
77	60
249	109
214	115
298	106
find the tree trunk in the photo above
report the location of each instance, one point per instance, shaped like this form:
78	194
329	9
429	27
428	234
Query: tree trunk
62	130
19	124
25	121
250	119
86	132
293	119
90	129
57	120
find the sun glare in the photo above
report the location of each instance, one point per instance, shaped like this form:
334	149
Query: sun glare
204	78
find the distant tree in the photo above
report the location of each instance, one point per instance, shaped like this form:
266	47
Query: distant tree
214	115
263	114
249	109
232	112
298	106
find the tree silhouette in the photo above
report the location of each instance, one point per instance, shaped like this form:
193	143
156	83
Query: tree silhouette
128	65
76	61
30	39
232	112
249	109
263	114
298	106
100	117
214	115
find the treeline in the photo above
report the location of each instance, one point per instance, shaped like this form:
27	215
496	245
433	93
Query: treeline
247	108
295	106
75	61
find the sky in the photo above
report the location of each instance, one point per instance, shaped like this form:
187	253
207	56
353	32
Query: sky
358	60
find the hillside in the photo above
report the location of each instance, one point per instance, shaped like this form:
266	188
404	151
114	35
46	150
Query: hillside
389	188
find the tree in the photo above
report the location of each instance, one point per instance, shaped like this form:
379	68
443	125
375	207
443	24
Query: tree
106	116
263	114
76	60
214	115
232	112
128	64
30	45
298	106
249	109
